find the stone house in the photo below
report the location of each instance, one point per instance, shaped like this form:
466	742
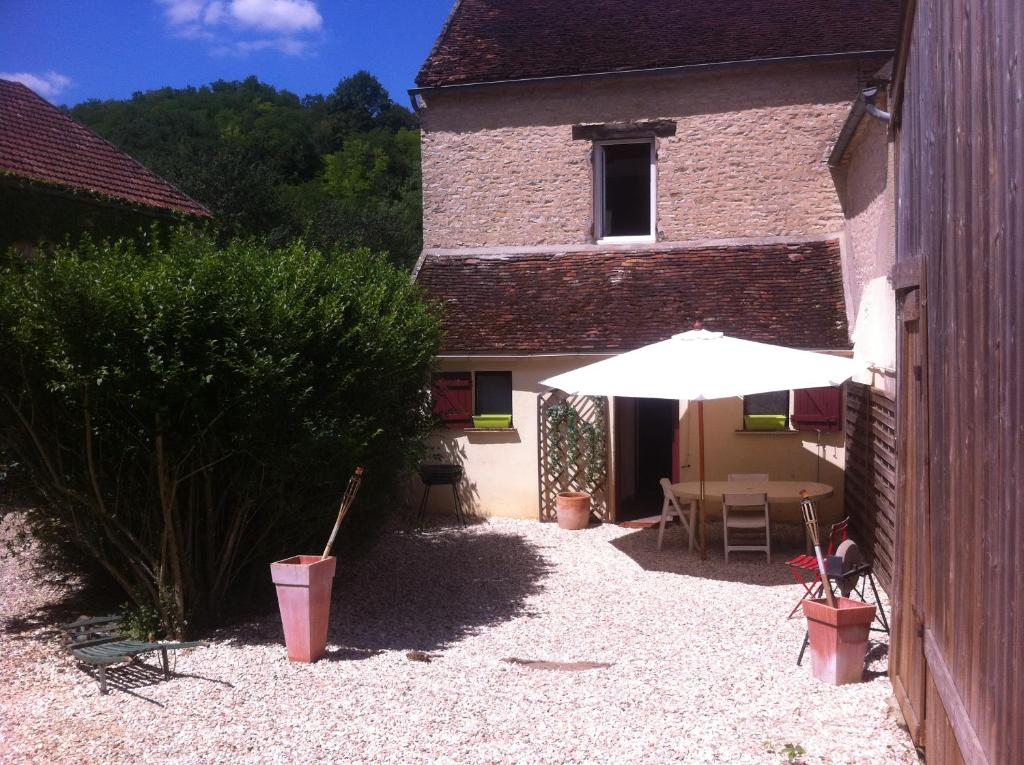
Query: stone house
597	176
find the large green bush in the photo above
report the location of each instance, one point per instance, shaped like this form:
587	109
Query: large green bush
189	413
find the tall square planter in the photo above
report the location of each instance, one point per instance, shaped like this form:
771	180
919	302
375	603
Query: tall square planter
304	598
839	638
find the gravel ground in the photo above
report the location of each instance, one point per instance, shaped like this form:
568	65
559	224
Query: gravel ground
701	666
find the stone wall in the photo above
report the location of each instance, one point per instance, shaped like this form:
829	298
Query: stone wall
748	158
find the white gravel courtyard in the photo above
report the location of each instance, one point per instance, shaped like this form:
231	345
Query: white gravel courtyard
702	666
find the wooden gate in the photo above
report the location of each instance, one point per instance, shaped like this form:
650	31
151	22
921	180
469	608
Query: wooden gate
572	448
907	666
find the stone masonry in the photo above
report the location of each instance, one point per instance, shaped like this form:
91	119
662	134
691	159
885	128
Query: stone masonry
748	158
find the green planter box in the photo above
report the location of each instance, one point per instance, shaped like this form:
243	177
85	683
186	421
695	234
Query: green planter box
764	422
492	421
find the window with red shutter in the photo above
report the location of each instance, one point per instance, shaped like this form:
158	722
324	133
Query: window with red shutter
452	395
818	409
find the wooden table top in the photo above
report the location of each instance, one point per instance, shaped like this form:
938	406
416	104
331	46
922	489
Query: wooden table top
777	491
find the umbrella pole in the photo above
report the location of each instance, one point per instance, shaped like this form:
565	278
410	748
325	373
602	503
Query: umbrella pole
700	449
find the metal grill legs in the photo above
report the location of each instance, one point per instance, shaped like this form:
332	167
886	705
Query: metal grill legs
459	515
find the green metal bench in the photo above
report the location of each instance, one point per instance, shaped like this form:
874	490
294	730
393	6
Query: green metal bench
99	642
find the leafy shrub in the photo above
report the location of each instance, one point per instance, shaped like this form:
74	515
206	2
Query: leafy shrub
188	413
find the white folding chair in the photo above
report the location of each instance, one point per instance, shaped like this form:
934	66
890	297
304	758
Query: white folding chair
746	513
671	508
751	477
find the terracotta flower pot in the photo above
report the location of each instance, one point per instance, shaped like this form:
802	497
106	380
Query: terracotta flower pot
304	598
839	638
573	509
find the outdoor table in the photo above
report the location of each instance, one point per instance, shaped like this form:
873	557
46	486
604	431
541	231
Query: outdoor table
779	492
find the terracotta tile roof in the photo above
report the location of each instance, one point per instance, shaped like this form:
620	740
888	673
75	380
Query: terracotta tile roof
41	143
790	294
488	40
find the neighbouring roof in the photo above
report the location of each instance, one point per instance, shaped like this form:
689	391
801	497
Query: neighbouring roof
493	40
789	294
40	143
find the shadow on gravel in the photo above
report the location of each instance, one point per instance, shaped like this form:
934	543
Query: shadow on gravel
133	676
77	600
420	592
675	557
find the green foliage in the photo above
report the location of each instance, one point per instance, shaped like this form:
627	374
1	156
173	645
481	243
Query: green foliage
141	622
340	170
566	429
793	752
189	412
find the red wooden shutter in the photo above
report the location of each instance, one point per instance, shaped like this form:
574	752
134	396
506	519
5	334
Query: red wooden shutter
818	409
452	394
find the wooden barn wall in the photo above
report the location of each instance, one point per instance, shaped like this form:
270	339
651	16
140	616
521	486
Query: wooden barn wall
960	213
869	493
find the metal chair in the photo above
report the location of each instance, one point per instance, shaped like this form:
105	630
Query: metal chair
746	513
670	508
804	567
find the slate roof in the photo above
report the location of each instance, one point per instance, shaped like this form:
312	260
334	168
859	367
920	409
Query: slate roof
789	294
41	143
490	40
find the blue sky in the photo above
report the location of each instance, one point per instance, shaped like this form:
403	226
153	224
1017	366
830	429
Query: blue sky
73	50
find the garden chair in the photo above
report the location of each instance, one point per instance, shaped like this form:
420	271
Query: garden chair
746	514
804	567
670	508
99	642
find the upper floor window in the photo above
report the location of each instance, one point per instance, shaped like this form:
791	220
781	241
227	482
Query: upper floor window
625	190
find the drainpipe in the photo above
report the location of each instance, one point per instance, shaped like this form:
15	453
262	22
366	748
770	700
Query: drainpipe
869	105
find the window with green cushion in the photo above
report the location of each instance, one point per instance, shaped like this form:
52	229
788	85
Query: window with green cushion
766	411
493	393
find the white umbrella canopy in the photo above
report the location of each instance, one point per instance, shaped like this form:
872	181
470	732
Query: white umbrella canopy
700	365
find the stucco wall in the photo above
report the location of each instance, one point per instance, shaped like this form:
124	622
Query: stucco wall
863	182
748	158
784	456
501	468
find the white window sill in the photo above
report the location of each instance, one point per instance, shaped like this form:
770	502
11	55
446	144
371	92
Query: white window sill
782	432
627	240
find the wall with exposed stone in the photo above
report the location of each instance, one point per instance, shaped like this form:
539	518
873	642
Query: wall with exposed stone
500	167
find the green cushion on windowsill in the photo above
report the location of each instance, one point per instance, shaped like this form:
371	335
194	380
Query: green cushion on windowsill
492	421
764	422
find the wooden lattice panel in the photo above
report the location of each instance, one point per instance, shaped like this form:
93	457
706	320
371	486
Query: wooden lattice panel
559	468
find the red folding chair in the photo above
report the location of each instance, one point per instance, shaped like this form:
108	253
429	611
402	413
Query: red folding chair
804	568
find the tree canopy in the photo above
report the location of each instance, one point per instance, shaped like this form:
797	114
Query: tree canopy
339	170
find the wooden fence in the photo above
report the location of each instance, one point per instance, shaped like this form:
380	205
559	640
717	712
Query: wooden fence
870	488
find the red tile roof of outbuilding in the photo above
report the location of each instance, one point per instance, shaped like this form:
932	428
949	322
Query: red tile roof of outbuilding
41	143
789	294
490	40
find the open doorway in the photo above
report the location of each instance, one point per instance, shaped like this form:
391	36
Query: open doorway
646	450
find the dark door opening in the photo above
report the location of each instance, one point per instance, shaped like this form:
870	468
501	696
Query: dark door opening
645	438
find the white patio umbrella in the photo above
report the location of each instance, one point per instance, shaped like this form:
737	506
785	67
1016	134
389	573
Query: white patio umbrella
699	365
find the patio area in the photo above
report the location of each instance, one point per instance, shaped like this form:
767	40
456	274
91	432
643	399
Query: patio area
700	665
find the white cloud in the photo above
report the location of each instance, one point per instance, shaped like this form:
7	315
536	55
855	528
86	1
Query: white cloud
277	15
290	46
240	27
48	84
